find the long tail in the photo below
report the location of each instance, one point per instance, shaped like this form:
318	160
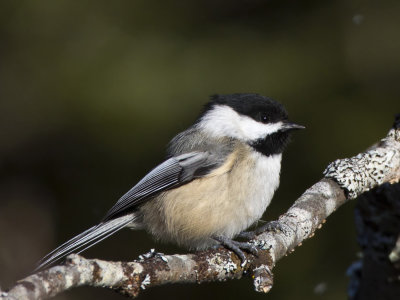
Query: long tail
85	240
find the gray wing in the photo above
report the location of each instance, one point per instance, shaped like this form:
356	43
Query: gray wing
171	173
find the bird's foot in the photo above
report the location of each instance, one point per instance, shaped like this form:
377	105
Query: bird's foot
274	226
237	247
247	235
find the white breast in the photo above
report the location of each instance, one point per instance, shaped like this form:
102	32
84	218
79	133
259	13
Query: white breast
265	177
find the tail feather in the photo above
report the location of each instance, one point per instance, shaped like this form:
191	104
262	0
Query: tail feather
87	238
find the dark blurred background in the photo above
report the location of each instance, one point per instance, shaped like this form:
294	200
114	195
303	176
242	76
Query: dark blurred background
91	92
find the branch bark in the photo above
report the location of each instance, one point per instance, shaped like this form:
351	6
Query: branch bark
344	180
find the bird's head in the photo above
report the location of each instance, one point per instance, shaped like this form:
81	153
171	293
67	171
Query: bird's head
256	120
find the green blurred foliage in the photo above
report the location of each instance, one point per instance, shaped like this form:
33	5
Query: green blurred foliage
91	92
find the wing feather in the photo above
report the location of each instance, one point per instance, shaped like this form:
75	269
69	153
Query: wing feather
87	238
171	173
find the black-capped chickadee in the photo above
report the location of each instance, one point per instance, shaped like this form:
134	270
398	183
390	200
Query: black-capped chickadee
219	177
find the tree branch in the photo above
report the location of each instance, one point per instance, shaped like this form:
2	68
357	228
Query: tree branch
344	179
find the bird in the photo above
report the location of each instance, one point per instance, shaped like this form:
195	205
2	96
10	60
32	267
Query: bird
217	180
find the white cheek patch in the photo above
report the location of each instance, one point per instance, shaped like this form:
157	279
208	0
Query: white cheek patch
253	130
223	121
220	121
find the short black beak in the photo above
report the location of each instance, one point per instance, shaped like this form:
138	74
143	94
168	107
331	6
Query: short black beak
291	126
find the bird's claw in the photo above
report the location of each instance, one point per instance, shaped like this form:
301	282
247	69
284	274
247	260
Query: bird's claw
274	226
237	248
247	235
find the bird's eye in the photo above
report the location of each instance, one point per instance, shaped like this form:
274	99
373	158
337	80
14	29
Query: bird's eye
264	118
